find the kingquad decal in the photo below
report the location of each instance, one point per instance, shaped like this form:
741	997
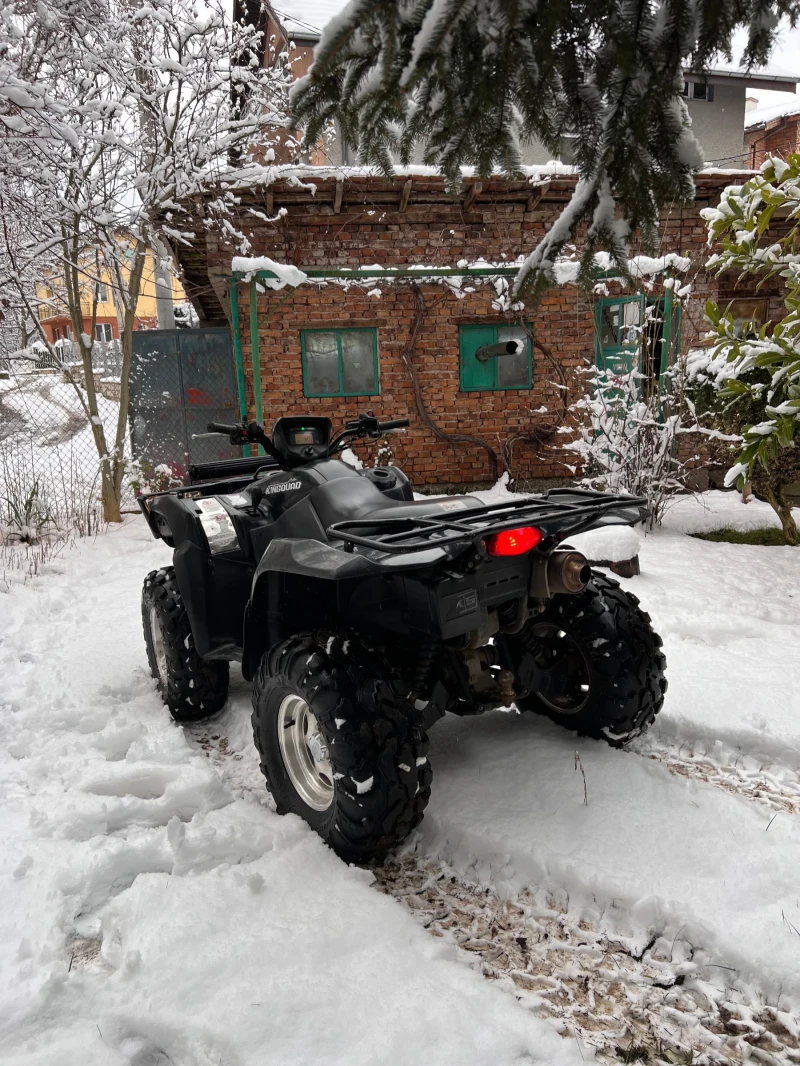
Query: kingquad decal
283	486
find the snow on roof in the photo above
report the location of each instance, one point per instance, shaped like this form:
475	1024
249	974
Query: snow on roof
306	18
305	174
754	75
760	116
565	271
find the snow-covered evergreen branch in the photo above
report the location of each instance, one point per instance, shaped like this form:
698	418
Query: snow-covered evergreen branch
472	81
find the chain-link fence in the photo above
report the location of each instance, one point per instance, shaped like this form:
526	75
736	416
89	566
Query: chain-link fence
49	463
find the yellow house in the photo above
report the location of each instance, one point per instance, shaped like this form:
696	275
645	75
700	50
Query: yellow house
54	313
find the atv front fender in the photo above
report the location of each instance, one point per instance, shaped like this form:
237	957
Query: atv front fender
295	590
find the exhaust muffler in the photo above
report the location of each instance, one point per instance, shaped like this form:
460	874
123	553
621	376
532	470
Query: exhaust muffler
567	572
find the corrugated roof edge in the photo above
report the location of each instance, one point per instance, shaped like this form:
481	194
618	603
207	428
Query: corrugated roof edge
762	116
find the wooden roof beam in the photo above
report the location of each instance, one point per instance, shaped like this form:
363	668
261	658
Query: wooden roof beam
537	192
472	195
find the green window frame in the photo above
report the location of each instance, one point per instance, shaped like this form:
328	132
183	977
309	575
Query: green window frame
345	352
618	331
499	374
621	330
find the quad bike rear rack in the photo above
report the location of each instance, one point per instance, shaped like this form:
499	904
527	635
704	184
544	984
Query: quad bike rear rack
558	512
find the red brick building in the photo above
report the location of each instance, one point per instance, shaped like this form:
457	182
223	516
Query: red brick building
771	130
346	344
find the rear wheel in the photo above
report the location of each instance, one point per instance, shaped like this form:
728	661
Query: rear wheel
340	745
593	663
192	687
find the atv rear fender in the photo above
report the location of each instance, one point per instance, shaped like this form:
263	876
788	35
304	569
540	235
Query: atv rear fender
302	585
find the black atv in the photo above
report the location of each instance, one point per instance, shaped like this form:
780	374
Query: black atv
362	616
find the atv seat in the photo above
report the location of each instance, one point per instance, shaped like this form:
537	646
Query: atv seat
349	499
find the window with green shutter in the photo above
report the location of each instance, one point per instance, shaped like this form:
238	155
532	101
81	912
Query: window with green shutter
499	372
340	362
637	333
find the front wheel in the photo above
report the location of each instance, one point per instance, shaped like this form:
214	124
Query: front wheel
192	687
340	745
592	663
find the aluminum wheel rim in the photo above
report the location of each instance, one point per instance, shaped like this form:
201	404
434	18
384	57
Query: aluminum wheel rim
159	650
305	753
558	649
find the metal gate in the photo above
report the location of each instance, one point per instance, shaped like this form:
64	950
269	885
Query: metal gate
180	380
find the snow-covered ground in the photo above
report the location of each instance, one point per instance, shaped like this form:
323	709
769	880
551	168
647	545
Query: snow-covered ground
154	908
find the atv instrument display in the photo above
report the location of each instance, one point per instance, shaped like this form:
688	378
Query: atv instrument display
362	616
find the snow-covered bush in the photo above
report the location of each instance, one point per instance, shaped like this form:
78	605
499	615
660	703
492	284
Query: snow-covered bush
384	456
626	435
757	229
47	497
185	316
709	390
27	515
142	476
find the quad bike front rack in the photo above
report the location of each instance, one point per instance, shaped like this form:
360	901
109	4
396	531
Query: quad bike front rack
558	513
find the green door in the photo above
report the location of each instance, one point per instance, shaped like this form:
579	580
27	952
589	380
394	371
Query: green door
618	332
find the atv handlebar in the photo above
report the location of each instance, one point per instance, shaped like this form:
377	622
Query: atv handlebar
243	433
366	425
220	427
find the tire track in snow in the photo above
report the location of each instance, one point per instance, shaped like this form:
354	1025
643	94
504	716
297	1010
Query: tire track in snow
661	1002
628	1001
755	777
226	739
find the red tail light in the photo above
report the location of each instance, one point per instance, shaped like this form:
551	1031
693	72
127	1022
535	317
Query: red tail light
514	541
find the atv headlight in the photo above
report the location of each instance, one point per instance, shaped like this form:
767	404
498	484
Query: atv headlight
217	525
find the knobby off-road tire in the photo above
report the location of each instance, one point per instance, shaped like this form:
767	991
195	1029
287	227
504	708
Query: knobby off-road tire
611	683
375	775
192	687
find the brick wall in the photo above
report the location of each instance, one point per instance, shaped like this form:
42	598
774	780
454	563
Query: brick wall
778	137
565	327
365	224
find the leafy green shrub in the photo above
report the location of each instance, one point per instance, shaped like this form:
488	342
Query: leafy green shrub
756	228
732	412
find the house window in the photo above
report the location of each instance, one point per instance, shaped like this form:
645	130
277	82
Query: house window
698	90
636	333
619	331
102	293
340	362
748	316
497	372
103	331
